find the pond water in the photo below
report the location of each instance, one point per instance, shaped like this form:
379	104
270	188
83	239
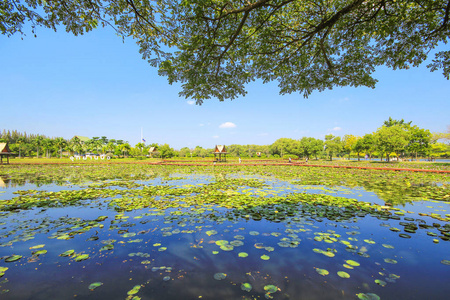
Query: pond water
232	236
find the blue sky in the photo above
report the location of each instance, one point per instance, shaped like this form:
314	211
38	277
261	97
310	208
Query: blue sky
96	85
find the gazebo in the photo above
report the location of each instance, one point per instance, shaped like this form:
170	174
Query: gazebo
5	151
151	151
219	151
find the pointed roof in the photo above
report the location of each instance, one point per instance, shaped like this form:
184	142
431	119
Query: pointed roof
4	149
220	149
151	150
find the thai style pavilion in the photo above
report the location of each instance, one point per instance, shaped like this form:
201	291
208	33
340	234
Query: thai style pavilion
151	151
5	151
220	153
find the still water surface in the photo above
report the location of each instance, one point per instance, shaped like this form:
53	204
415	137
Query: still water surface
208	253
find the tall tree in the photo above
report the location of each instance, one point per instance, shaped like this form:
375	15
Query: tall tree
419	140
391	139
333	145
60	143
214	48
38	142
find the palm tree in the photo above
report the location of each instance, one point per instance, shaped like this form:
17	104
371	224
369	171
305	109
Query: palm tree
125	148
20	141
60	143
140	146
37	142
77	145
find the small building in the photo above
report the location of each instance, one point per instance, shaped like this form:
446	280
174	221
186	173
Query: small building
220	153
151	151
5	151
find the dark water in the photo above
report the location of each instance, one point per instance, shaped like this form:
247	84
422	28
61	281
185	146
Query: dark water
173	254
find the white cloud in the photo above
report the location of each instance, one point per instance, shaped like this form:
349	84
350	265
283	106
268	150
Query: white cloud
215	137
336	128
227	125
201	125
190	102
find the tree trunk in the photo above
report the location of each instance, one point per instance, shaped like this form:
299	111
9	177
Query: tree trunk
358	156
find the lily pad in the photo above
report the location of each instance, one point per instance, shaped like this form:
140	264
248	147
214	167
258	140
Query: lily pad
220	276
380	282
390	261
95	285
81	257
246	287
39	252
352	263
265	257
67	253
445	262
243	254
134	290
343	274
368	296
13	258
322	272
270	288
37	246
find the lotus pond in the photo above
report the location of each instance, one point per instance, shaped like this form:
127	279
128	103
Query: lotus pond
222	232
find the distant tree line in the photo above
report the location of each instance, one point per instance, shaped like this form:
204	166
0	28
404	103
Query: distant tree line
394	139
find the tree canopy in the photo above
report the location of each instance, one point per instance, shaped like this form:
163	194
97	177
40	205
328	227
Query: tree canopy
215	47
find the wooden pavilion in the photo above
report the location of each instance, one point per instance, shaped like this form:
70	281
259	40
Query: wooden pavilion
220	153
5	151
151	151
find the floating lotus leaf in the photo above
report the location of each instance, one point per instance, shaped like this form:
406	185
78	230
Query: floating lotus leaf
352	263
156	244
226	247
236	243
13	258
67	253
160	249
343	274
259	246
239	237
388	246
404	235
95	285
390	261
222	242
134	290
270	288
81	257
220	276
37	246
445	262
368	296
107	247
269	249
265	257
246	287
243	254
253	233
322	272
369	241
166	278
39	252
211	232
101	218
129	234
348	266
380	282
215	252
146	262
284	244
3	270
